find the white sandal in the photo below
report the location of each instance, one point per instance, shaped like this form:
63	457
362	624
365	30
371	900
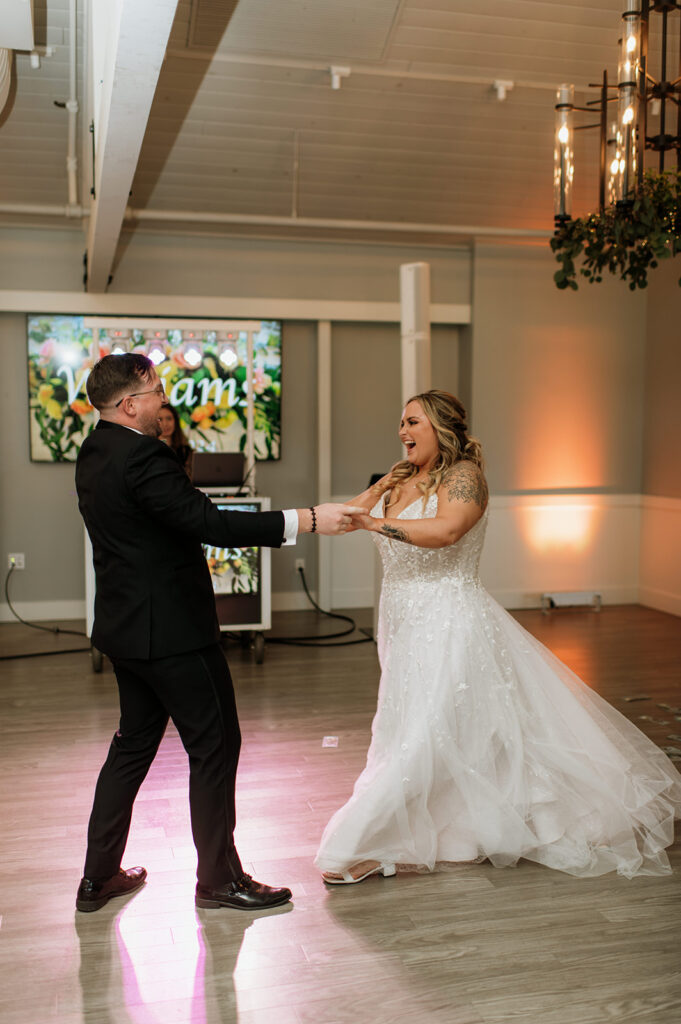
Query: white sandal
346	878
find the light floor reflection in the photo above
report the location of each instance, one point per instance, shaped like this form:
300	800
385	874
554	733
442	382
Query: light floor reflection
151	964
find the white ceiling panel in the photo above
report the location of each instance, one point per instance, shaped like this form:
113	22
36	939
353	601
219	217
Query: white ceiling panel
245	122
299	28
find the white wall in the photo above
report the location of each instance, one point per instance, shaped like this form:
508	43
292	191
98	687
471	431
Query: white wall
557	376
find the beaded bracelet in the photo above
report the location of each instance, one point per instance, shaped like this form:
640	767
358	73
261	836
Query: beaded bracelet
314	519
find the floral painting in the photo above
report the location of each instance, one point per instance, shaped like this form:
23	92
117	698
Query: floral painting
204	374
234	570
59	360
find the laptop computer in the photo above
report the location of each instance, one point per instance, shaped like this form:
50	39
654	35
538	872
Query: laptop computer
218	469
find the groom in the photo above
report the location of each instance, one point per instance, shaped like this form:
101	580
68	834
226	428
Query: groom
155	618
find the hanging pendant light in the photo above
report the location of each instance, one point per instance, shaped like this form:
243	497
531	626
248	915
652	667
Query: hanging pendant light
622	151
563	153
628	69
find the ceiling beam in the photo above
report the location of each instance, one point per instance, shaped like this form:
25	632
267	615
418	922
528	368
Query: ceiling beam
222	307
129	43
16	24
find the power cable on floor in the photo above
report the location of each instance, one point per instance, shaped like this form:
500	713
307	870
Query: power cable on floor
56	630
320	641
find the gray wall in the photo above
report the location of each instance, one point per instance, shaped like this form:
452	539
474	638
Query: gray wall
662	438
41	260
38	511
555	380
367	397
557	396
301	270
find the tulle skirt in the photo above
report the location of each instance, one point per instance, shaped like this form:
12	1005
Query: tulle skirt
486	746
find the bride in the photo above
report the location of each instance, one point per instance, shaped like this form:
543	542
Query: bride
484	745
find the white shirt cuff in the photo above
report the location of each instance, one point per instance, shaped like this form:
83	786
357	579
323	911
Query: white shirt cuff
290	526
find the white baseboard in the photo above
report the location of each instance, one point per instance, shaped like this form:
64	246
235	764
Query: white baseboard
661	600
660	565
296	601
353	597
516	599
41	611
291	601
283	601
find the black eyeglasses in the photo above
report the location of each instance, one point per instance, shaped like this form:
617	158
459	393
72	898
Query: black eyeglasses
158	390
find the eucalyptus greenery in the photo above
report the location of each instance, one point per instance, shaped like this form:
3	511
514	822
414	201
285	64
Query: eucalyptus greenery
628	239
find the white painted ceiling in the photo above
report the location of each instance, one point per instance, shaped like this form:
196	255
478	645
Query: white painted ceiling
245	124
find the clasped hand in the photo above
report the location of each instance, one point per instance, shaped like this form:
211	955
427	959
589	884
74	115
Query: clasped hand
333	518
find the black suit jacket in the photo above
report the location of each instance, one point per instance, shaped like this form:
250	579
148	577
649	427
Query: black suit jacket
146	522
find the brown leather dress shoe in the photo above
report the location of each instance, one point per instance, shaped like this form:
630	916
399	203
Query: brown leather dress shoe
242	894
94	895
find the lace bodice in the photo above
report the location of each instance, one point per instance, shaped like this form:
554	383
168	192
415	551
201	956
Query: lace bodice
405	562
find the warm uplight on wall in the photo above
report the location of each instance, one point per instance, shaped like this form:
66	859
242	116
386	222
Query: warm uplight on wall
568	528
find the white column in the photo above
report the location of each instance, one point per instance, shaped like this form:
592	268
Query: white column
249	473
415	312
324	584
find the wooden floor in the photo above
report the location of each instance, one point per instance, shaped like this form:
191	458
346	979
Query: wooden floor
524	945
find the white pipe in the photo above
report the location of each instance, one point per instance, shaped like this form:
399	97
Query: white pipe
45	209
203	217
415	329
324	491
72	109
372	70
295	174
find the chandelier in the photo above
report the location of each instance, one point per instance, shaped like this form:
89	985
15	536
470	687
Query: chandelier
641	100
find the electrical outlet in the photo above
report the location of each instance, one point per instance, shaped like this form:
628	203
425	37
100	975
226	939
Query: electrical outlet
300	564
16	561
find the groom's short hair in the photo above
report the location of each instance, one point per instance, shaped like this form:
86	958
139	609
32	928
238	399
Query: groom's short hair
114	376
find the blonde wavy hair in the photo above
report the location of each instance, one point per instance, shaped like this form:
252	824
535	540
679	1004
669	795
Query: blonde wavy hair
447	417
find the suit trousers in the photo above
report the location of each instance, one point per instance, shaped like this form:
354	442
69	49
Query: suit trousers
195	691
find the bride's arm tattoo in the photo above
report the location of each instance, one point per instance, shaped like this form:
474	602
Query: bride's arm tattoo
395	533
465	482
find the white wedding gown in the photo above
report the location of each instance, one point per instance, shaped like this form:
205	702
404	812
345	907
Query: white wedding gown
485	745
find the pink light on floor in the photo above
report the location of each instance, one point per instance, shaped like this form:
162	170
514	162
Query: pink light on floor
161	967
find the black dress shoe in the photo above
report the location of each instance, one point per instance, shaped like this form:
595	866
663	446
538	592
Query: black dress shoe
94	895
242	894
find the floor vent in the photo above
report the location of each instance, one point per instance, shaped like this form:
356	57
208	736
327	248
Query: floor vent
571	599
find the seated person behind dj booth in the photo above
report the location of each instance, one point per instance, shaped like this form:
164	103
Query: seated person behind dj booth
173	435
